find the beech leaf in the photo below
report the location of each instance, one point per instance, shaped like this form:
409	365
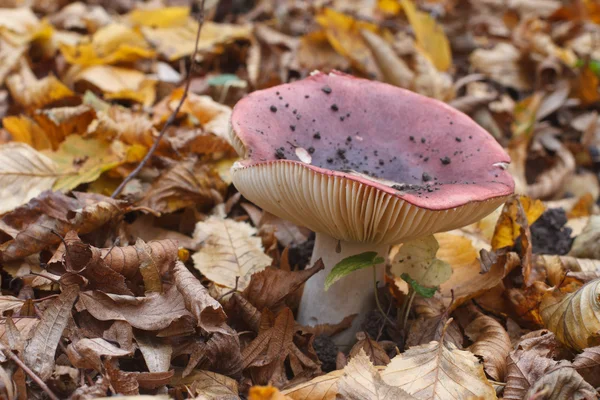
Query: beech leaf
229	250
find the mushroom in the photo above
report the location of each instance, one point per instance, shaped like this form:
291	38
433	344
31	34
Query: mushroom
365	165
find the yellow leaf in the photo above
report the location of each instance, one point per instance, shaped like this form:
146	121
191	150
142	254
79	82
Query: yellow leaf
25	130
31	93
230	249
165	17
344	35
417	258
83	160
391	7
120	83
18	25
24	174
430	36
507	228
266	393
114	43
178	41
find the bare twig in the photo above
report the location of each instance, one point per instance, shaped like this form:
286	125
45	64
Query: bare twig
29	372
173	115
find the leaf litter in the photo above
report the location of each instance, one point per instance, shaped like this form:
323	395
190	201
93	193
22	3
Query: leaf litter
130	265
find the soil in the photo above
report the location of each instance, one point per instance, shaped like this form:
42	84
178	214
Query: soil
549	235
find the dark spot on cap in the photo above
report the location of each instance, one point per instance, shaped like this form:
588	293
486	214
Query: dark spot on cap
422	140
329	159
326	89
293	127
341	118
349	139
411	138
279	153
306	96
311	150
458	139
273	109
426	177
381	162
426	159
334	107
287	105
317	135
445	160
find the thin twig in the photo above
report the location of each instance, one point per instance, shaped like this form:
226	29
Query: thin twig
29	372
411	297
173	115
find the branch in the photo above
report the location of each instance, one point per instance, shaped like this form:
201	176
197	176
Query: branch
29	372
173	115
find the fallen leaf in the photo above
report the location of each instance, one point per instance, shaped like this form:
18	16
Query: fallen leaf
88	353
502	64
430	36
587	364
153	312
322	388
182	186
369	348
395	71
213	386
111	44
24	174
362	381
208	311
508	228
270	287
163	17
573	317
177	41
351	264
31	93
266	393
39	352
229	250
156	352
585	244
429	371
490	341
83	160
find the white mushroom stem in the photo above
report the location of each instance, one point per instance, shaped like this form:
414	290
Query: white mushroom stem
353	294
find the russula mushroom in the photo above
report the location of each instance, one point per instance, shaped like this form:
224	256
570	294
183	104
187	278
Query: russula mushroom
364	165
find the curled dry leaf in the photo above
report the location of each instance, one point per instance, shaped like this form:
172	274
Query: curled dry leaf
394	69
229	250
126	260
39	352
24	174
270	287
587	365
586	244
575	317
213	386
156	351
31	93
88	353
502	64
208	311
370	348
425	330
154	312
182	186
323	387
417	258
491	341
34	222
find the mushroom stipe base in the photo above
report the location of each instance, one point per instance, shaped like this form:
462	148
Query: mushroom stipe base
352	294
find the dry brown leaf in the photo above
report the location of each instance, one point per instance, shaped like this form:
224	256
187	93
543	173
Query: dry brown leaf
185	184
126	260
153	312
229	250
429	371
213	386
24	174
491	342
33	223
39	352
156	352
529	374
393	68
31	93
270	287
88	353
361	381
587	365
575	317
586	244
266	393
208	311
425	330
370	348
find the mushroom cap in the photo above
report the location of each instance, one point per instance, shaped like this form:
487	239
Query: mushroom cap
365	161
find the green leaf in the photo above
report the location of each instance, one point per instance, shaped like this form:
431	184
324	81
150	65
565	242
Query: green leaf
422	291
351	264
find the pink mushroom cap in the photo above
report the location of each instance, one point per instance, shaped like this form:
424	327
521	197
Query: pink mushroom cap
409	152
